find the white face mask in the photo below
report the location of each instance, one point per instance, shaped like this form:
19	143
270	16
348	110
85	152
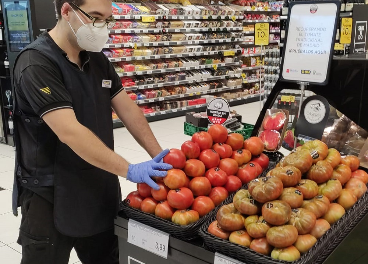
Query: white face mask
90	38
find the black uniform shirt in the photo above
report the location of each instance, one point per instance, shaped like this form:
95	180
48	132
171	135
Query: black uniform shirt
39	90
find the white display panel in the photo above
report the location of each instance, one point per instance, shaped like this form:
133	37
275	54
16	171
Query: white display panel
309	42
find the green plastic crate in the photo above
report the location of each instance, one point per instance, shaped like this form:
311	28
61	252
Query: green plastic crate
190	129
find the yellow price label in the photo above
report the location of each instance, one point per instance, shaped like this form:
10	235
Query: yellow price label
135	46
198	93
244	75
262	34
214	67
148	19
253	8
292	99
266	8
285	98
245	81
233	18
339	46
346	29
204	17
229	53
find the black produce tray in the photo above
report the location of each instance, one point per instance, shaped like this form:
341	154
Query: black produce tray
186	233
191	231
317	254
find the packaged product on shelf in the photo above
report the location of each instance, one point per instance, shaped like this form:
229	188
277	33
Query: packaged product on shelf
165	10
144	10
195	11
117	10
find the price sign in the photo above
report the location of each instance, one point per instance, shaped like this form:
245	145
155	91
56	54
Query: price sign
262	34
229	53
346	29
253	8
214	67
148	238
310	40
148	19
266	8
233	18
221	259
339	46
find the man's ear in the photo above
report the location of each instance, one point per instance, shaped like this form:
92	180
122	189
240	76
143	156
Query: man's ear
65	10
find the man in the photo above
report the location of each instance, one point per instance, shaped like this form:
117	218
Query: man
66	167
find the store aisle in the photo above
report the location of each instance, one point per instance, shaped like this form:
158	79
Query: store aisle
169	134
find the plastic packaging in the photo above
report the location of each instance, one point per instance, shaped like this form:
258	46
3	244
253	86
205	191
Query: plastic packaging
273	128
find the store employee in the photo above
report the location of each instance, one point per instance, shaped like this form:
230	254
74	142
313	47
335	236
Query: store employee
66	167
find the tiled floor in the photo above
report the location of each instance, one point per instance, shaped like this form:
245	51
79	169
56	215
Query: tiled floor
169	134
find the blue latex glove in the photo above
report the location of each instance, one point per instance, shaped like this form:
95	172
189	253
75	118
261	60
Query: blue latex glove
142	172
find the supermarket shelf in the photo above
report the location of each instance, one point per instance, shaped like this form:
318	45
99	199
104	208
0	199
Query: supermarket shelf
206	66
172	43
262	21
251	68
178	30
167	56
283	17
252	55
171	97
181	111
157	85
176	17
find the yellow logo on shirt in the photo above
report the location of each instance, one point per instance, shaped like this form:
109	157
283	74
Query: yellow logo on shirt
46	90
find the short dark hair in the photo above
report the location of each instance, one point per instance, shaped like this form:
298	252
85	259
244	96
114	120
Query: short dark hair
59	4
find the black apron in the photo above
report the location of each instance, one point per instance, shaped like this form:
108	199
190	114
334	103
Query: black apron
86	198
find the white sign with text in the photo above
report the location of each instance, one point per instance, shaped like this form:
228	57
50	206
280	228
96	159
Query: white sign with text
309	42
148	238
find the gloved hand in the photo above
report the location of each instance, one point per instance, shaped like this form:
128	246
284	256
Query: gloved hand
142	172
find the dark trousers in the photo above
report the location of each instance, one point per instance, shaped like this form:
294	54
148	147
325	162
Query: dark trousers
43	244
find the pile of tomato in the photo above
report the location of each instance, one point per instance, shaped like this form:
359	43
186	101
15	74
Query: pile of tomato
205	171
284	213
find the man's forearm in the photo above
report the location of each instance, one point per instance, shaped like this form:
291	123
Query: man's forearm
90	148
137	125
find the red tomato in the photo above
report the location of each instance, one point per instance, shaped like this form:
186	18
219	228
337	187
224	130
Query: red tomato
148	205
218	133
233	183
215	230
229	166
210	158
216	177
320	228
254	145
144	190
190	149
200	186
218	195
262	160
176	158
181	198
194	168
242	156
161	194
352	161
134	200
360	175
235	140
203	205
224	150
175	179
249	172
357	187
240	237
203	139
185	217
187	181
164	210
261	246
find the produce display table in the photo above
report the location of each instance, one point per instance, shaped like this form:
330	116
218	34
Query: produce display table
353	249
